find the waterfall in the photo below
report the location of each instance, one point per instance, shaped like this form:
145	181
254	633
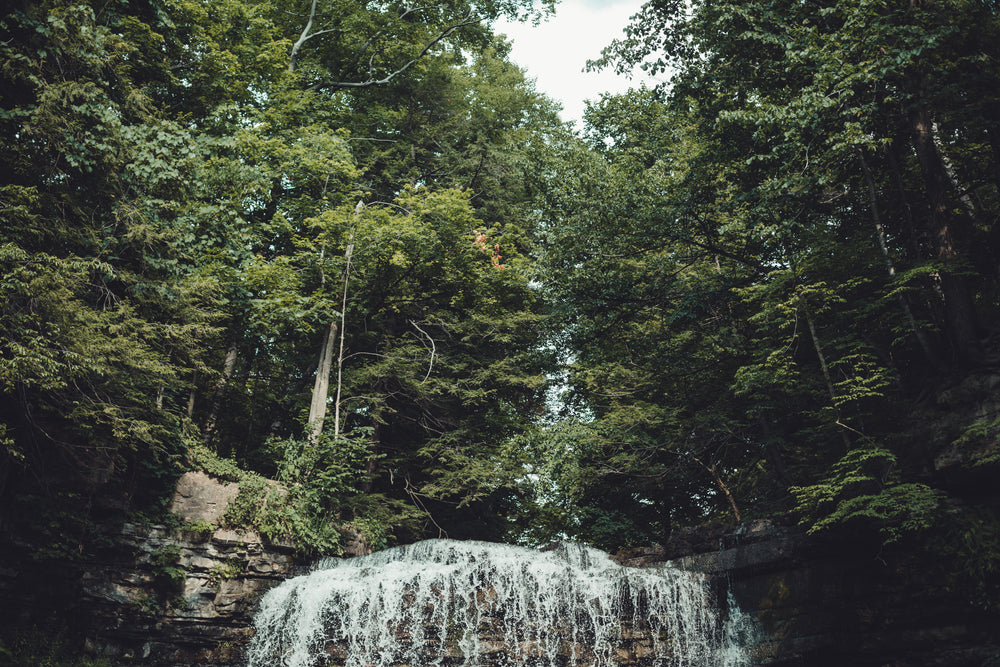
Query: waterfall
444	602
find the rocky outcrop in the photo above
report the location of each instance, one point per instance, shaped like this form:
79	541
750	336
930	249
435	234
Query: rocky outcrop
183	598
200	497
154	595
149	594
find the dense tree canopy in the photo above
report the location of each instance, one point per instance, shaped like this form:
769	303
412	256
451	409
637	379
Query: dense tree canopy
351	248
206	204
767	268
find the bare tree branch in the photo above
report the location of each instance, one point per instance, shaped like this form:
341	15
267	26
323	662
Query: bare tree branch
371	81
307	34
713	470
415	497
430	364
302	38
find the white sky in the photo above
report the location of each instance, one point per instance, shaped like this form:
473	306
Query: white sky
555	53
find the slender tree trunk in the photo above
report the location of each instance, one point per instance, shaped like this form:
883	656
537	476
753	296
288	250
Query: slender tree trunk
340	354
949	169
826	371
213	414
192	394
904	303
321	388
951	236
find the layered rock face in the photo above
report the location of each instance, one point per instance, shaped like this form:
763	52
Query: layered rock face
152	595
185	597
158	596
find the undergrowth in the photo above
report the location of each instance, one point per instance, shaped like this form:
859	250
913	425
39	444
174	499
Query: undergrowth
315	501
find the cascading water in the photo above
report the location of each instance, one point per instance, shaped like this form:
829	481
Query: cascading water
444	602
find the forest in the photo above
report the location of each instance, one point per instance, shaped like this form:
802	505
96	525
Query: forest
349	247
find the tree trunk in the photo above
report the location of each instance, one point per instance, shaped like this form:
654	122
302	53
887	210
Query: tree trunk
192	394
904	303
213	414
321	387
951	236
826	371
343	330
949	169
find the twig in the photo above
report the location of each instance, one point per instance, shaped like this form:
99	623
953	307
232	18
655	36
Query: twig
430	365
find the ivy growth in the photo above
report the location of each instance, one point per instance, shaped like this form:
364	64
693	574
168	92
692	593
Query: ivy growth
199	530
313	500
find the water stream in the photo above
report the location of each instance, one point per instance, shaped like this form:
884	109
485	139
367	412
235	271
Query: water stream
444	602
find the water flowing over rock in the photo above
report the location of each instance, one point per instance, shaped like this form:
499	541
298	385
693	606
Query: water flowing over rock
444	602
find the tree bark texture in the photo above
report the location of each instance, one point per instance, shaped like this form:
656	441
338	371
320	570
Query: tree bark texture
321	387
227	372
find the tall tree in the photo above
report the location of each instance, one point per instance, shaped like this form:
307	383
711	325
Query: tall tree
785	240
102	320
179	189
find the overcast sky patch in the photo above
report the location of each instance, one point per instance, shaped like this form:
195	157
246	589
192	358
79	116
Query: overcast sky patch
556	52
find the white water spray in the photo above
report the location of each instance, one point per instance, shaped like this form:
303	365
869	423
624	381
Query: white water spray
444	603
